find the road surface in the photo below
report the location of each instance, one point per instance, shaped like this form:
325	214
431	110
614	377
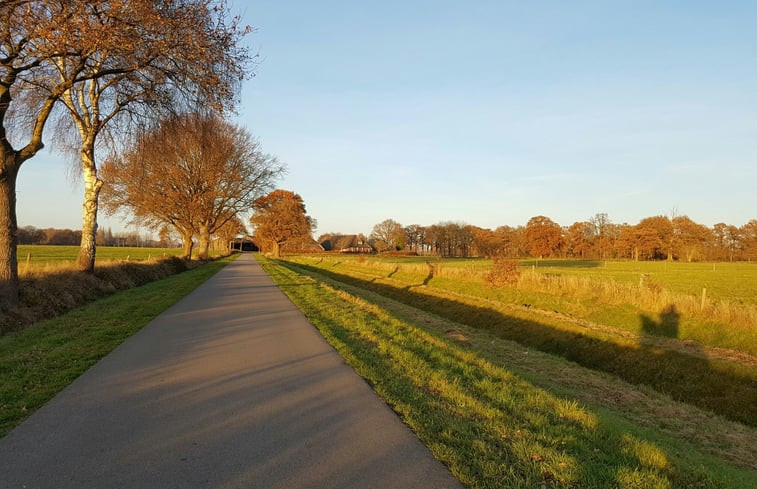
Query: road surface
230	388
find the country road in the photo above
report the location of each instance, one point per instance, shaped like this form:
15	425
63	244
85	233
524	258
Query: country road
231	387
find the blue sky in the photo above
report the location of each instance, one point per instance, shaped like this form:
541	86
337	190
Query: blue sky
491	112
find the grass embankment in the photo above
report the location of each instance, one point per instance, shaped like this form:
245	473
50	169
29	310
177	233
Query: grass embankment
51	284
498	426
616	293
39	361
704	377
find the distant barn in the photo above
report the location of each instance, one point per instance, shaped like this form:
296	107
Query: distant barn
350	243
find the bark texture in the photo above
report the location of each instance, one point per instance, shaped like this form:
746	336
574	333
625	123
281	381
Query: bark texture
8	234
186	239
92	185
204	243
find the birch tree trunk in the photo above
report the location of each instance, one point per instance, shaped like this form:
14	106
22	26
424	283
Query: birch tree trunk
92	185
8	233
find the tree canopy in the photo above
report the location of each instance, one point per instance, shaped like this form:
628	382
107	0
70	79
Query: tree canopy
193	172
542	235
154	51
279	218
388	234
154	57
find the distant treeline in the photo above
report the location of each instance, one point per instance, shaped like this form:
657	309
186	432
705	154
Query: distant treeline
653	238
105	237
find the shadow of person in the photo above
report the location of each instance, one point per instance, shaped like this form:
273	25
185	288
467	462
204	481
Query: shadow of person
667	326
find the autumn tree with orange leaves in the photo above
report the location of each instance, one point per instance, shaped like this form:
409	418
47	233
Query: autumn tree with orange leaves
195	173
100	58
543	236
280	217
155	57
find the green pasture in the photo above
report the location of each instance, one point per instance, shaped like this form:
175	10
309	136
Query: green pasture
50	253
729	281
734	282
664	353
614	307
500	414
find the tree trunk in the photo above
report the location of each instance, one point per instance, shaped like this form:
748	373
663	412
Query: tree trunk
276	250
92	185
8	234
188	244
204	244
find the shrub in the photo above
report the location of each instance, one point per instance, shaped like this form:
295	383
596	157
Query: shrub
504	271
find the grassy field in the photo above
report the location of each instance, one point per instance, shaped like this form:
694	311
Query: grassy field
711	365
734	282
608	294
500	414
39	361
39	254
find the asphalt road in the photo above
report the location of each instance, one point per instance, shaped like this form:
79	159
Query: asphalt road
230	388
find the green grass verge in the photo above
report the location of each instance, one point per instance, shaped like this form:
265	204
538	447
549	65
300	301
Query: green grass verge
724	387
492	427
649	310
39	361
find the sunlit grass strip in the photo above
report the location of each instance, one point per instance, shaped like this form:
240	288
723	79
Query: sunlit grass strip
735	282
729	441
37	362
726	388
490	427
723	322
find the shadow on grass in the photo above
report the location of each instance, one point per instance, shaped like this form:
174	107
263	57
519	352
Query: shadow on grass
667	326
715	386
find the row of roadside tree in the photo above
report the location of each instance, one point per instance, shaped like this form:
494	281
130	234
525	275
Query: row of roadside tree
652	238
30	235
106	76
